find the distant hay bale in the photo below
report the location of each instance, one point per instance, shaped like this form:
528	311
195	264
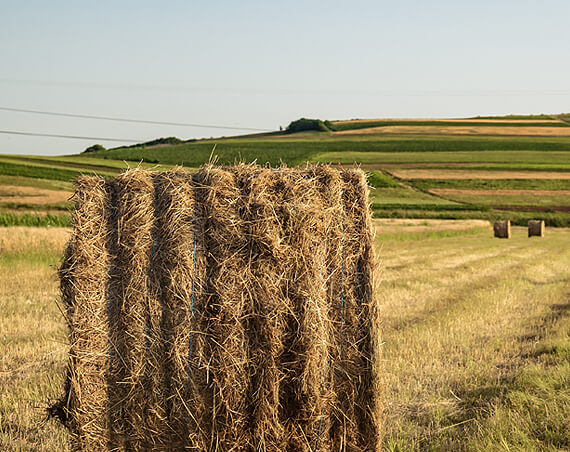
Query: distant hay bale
231	309
536	228
502	229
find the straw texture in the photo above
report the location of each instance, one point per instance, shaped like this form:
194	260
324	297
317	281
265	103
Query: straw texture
228	310
536	228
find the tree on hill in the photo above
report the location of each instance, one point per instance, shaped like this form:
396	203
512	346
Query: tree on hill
95	148
305	124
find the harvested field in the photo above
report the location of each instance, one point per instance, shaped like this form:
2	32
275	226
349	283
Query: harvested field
400	225
21	240
476	174
19	194
475	355
460	130
458	191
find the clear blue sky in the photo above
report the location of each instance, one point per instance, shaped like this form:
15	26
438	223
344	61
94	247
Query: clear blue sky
263	63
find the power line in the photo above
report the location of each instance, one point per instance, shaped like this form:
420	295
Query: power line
140	121
73	137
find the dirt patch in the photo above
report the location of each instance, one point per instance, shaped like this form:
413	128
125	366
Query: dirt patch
498	192
16	194
478	174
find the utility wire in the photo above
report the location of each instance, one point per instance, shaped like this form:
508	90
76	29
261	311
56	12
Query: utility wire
140	121
73	137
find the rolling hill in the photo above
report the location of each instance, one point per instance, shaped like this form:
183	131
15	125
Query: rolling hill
515	167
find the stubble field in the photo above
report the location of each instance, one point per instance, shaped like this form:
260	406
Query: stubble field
476	337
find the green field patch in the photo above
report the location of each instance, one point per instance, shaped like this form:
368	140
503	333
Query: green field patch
37	172
106	164
378	179
431	234
293	150
518	200
63	164
36	183
20	206
47	163
551	219
404	195
491	184
30	219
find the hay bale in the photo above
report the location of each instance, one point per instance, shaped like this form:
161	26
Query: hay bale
231	309
84	281
536	228
502	229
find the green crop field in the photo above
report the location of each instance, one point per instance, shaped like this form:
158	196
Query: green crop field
298	148
384	156
492	184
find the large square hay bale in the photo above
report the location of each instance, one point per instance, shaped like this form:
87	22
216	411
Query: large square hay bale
502	229
231	309
536	228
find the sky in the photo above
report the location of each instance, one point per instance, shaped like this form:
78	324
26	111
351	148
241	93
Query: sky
262	64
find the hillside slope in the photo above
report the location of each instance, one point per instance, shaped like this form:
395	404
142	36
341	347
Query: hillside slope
448	168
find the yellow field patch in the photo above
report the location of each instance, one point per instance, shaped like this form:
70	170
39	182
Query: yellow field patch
22	239
477	174
461	130
32	195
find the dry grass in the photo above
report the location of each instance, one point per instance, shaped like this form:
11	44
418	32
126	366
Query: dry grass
463	321
33	344
477	174
460	130
476	352
18	194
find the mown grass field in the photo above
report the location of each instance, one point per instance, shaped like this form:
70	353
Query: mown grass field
476	346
